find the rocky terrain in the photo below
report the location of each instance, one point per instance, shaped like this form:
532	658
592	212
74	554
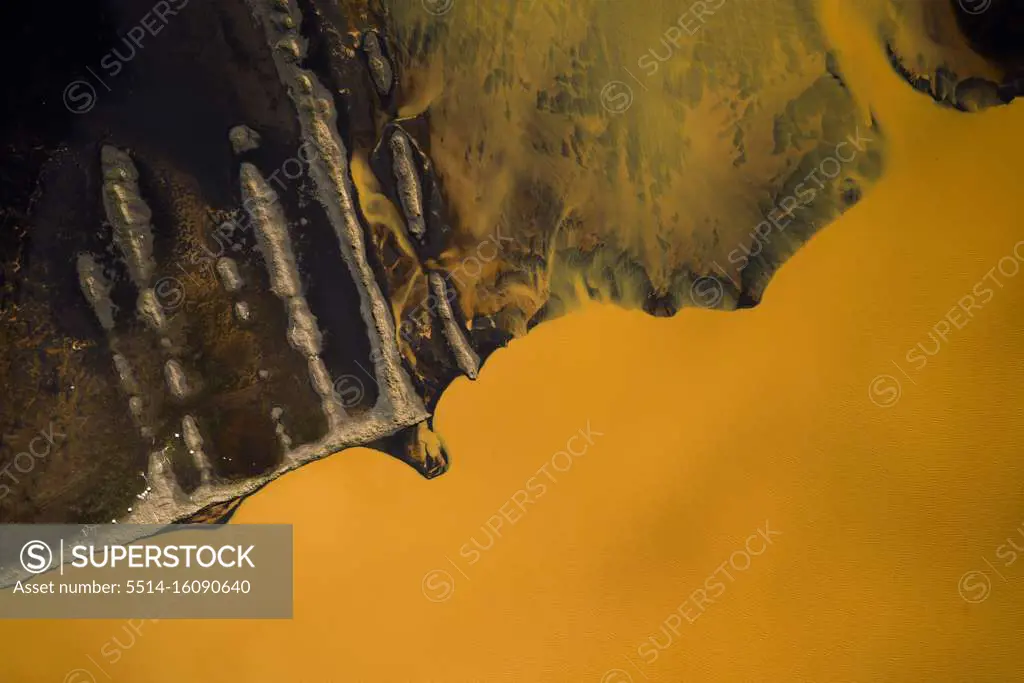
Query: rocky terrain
236	237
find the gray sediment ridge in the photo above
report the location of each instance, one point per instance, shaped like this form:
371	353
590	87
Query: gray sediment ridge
380	68
408	184
465	356
151	310
242	311
177	381
194	443
232	282
128	214
243	139
129	217
227	271
276	246
97	291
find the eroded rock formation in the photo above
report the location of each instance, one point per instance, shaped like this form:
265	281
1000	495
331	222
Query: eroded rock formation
283	227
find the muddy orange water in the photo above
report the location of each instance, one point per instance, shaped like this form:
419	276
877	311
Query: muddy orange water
890	488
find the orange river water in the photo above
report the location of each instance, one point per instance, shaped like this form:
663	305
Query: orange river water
886	484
